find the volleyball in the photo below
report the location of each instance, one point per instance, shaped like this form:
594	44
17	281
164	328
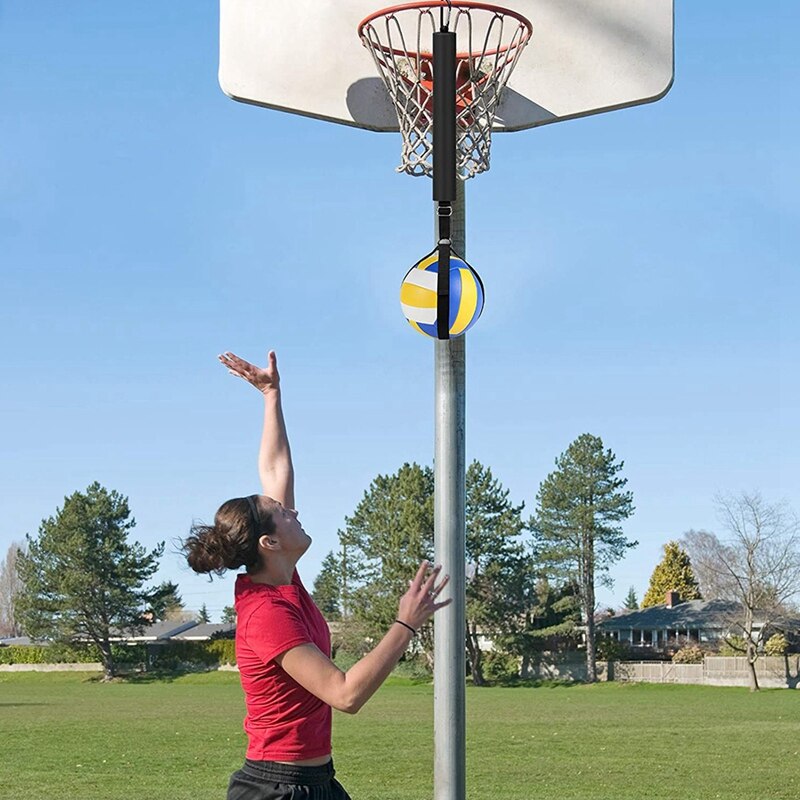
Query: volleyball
418	295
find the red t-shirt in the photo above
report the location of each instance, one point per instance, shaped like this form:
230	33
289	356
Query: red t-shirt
284	721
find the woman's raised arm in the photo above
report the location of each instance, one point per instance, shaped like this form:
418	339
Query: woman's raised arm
275	467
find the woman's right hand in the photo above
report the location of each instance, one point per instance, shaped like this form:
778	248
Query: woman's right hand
419	604
263	378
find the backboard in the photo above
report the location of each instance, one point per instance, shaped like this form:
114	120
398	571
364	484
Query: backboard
585	57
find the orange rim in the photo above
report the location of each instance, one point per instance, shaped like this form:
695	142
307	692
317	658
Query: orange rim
499	10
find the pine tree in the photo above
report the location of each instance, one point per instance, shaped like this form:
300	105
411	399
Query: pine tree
496	595
81	576
552	617
203	614
327	592
170	606
388	535
631	603
673	573
574	526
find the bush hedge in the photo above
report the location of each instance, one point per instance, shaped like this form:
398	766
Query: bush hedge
691	654
777	645
173	655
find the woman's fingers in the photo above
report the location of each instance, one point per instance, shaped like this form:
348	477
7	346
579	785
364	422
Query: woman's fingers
432	577
239	367
437	589
419	604
231	360
416	583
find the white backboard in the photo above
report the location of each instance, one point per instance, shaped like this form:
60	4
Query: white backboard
585	57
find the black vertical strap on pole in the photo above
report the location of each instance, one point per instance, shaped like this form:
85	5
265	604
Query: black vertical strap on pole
444	116
443	276
444	163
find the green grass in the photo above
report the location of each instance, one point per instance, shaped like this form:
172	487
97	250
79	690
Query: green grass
67	736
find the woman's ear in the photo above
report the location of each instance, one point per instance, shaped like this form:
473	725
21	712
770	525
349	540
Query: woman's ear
268	542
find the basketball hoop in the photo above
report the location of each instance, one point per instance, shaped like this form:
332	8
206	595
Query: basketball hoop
399	39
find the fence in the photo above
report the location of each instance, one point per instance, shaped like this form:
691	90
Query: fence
86	666
772	671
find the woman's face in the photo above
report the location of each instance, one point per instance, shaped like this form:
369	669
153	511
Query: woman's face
288	530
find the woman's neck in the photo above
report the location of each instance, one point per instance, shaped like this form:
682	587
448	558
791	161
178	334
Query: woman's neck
274	573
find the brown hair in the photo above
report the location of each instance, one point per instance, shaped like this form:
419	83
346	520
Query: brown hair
232	541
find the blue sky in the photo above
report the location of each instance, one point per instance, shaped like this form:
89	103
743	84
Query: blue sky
640	270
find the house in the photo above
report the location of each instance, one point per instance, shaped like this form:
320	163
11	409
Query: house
676	623
205	631
155	633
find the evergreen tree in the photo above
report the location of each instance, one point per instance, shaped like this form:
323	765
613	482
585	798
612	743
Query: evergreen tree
327	591
673	573
168	604
575	534
203	614
389	533
81	576
550	622
496	589
631	603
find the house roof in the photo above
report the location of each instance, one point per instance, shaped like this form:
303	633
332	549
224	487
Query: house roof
688	614
165	629
207	630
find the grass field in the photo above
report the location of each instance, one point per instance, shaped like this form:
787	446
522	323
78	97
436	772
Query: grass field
65	735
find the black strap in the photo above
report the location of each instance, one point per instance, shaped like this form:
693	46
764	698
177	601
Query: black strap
444	116
443	277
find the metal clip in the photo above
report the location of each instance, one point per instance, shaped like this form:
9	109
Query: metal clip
446	23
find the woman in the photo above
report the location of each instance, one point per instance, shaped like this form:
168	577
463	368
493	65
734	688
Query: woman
282	641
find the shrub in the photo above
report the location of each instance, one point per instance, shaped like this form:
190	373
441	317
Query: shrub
170	656
23	654
414	667
499	666
609	649
225	649
193	655
776	645
691	654
733	646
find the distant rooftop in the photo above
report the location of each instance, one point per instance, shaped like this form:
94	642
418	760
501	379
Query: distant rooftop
165	629
686	614
207	630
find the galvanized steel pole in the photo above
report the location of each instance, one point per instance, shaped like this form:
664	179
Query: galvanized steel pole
449	770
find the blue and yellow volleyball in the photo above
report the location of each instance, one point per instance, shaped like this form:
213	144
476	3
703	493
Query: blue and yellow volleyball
418	296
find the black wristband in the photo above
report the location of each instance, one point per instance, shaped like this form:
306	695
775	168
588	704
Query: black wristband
405	625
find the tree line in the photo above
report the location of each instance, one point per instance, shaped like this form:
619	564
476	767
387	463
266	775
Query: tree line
531	579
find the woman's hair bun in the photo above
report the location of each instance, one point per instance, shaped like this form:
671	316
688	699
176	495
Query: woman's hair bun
231	542
208	549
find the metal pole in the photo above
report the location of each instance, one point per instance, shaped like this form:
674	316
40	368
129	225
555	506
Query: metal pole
449	726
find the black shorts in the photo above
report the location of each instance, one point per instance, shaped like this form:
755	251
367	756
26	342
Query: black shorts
269	780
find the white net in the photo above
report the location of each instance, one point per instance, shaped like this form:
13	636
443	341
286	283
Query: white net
489	42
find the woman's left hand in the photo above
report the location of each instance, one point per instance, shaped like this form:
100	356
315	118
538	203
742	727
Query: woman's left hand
265	379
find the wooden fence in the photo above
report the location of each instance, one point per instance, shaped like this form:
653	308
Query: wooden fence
771	671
